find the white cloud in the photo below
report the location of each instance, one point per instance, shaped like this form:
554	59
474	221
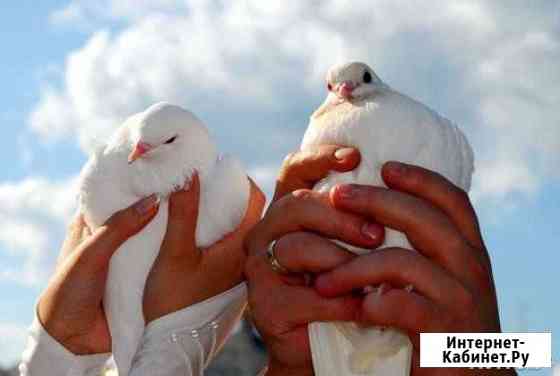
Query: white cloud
254	71
33	214
265	178
491	68
92	12
12	341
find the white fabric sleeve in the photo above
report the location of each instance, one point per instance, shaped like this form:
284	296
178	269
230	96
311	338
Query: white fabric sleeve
181	343
44	356
184	343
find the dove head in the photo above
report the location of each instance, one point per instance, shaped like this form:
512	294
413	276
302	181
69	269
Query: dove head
167	144
352	81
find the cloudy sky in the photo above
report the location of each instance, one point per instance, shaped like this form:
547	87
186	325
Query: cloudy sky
253	71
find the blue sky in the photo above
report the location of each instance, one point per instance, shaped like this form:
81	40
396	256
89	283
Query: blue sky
253	70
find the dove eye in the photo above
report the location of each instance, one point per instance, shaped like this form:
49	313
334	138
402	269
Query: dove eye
367	77
329	86
170	141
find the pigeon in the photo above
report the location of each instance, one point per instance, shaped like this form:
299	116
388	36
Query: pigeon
361	111
155	152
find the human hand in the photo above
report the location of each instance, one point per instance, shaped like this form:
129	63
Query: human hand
70	308
184	274
283	305
451	273
303	169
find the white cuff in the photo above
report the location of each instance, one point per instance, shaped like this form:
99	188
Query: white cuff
184	342
44	356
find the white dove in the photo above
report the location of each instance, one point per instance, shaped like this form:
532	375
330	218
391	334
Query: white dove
155	151
362	112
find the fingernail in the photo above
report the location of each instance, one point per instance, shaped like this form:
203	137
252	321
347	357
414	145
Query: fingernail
343	153
187	185
396	168
146	205
371	231
345	191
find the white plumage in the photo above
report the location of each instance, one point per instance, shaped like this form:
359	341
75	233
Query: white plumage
362	112
155	151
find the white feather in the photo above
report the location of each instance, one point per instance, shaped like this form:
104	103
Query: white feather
109	183
384	125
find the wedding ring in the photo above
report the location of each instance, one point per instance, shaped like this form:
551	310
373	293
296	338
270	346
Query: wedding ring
273	261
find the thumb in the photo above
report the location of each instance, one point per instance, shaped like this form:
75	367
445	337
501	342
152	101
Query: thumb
128	222
120	226
180	237
96	250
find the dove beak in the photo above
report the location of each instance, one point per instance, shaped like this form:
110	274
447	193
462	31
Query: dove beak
345	89
140	149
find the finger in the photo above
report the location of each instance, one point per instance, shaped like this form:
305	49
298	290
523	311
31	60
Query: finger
302	169
179	242
306	210
257	201
399	267
74	237
302	252
440	192
97	249
401	309
428	229
306	306
297	304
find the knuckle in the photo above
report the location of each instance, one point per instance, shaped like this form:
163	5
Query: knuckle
322	154
480	271
346	228
467	299
297	201
303	194
284	203
460	200
457	246
326	151
289	159
291	165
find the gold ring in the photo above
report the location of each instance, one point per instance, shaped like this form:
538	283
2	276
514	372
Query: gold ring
273	261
